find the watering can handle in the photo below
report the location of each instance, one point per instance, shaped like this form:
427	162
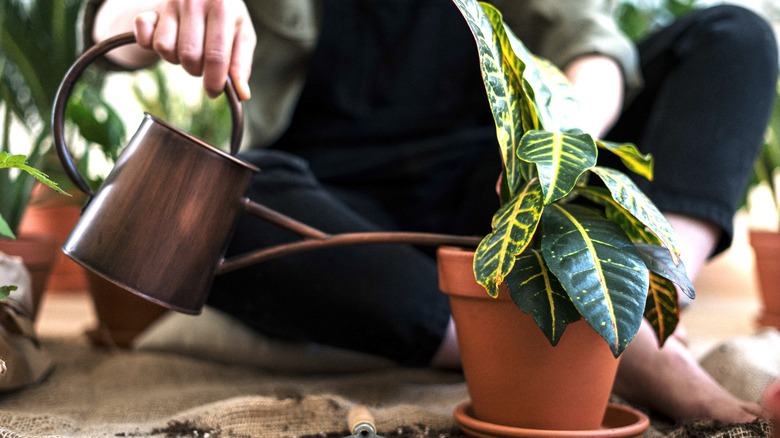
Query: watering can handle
73	74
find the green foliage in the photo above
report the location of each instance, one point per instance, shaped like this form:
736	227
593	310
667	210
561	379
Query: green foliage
637	18
38	44
8	161
603	254
207	119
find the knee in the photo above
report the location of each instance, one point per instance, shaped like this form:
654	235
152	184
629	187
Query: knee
738	31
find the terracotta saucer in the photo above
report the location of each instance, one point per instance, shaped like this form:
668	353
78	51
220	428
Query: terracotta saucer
619	421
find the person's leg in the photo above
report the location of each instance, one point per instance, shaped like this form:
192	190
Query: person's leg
711	81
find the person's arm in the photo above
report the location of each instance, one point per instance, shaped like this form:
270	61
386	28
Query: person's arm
598	81
208	38
582	38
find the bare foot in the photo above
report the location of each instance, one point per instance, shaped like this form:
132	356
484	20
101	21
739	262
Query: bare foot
669	380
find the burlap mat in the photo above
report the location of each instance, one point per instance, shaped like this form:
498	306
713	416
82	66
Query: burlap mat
120	393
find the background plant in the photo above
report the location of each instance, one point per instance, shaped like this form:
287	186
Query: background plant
8	161
637	18
38	43
567	249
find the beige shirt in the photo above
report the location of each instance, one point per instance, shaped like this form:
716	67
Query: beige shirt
287	30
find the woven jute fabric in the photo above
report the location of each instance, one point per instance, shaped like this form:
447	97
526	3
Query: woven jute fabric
124	393
119	393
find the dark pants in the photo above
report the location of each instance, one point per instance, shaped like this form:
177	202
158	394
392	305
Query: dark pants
363	155
710	84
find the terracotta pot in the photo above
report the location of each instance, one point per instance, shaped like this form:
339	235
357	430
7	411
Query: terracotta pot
52	213
38	252
514	376
122	315
766	247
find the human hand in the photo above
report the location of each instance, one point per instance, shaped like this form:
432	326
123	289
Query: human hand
212	38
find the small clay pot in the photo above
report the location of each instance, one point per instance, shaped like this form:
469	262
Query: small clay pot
766	247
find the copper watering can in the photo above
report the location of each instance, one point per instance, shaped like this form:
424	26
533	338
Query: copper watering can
161	222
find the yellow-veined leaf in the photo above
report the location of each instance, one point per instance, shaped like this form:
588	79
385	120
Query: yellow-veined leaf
560	160
599	268
634	229
538	293
634	160
514	225
662	310
627	194
502	74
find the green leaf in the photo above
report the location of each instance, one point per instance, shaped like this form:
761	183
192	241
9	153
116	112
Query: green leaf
599	268
6	290
502	74
628	195
659	261
18	161
662	310
5	229
560	160
97	121
513	225
634	160
634	229
666	278
538	293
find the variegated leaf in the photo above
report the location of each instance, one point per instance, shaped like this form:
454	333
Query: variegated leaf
662	310
560	160
634	229
659	261
599	268
627	194
514	225
538	293
502	74
557	108
637	162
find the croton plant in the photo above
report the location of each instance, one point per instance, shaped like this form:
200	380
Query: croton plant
571	239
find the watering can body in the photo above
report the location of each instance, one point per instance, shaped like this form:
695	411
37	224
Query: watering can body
161	221
159	224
